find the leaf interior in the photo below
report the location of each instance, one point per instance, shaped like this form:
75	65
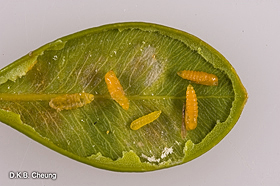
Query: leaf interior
146	63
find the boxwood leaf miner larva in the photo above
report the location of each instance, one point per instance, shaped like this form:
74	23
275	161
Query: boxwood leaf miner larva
144	120
191	111
199	77
71	101
115	89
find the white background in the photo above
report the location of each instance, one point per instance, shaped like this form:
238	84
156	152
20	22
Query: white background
247	33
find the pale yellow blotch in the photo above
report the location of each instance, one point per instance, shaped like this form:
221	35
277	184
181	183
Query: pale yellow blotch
31	66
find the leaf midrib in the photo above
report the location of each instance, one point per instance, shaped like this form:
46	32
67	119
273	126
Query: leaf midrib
46	97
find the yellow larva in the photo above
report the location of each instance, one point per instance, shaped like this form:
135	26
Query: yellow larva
199	77
144	120
191	111
71	101
115	89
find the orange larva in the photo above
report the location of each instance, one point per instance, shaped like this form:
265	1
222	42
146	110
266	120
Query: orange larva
191	111
199	77
144	120
70	101
115	89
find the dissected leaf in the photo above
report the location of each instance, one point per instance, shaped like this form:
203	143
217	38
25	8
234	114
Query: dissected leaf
145	58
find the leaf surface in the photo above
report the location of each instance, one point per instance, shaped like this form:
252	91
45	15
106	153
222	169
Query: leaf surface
146	58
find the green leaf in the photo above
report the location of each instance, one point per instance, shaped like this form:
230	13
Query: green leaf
146	58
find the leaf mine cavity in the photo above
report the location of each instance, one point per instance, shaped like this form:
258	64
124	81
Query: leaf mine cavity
146	58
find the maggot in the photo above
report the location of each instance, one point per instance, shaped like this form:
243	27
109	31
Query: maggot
71	101
144	120
198	77
191	111
116	90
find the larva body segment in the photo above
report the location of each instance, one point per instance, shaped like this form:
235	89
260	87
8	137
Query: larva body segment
115	89
191	111
144	120
199	77
71	101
